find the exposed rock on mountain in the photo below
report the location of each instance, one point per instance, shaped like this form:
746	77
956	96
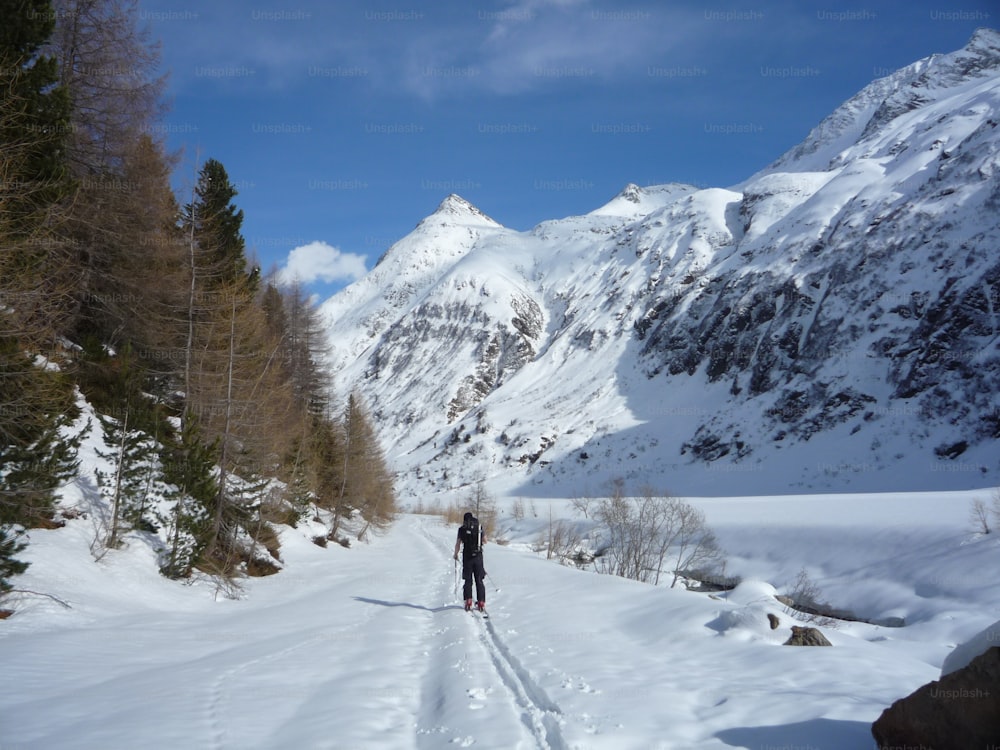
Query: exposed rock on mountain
831	323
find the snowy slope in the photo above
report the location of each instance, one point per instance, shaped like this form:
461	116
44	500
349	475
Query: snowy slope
368	647
830	324
884	99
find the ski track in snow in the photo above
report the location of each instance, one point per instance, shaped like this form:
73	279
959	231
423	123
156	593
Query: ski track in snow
485	658
540	715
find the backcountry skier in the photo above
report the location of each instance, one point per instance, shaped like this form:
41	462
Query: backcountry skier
471	538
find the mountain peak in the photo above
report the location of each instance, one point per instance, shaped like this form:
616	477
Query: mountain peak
631	193
878	104
634	201
456	210
981	54
985	39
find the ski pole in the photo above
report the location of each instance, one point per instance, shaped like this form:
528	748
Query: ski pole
487	575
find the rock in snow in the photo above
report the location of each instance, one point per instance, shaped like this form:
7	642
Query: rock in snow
966	652
958	712
807	637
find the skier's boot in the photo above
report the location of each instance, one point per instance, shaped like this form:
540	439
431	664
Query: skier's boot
468	605
481	606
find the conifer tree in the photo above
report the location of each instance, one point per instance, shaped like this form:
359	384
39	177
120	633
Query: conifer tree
211	225
130	435
235	380
128	484
10	545
33	177
215	224
333	462
95	249
305	349
366	476
349	471
35	458
326	463
35	401
34	114
254	412
107	67
312	448
189	468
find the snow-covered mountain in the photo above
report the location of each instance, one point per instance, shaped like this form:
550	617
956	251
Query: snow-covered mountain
831	323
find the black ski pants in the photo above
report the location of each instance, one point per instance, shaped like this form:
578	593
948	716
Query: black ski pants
473	570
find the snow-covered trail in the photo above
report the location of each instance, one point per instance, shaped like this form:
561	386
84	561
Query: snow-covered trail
473	683
366	648
370	648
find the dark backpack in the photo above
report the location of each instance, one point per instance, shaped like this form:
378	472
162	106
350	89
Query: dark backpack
472	537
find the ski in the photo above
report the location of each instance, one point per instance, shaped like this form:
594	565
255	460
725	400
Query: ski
481	612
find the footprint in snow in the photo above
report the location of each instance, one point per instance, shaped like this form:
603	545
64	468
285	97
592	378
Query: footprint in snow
583	687
477	698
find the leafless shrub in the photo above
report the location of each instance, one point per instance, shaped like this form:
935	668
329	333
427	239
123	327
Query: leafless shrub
560	540
582	505
653	534
979	516
517	509
803	601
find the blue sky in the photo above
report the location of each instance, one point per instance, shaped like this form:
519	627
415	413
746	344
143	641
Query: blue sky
343	124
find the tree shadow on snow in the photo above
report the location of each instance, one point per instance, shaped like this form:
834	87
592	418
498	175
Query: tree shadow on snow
818	734
384	603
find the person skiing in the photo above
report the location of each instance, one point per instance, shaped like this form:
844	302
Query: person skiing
471	538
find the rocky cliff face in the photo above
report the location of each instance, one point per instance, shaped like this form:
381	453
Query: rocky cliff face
832	323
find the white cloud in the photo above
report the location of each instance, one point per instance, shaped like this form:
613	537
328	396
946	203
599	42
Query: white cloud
319	261
534	44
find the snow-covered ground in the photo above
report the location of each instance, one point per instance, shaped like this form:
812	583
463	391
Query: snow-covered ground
368	648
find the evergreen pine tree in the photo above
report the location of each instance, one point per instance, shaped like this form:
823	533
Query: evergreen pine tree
34	114
235	380
134	473
10	545
35	457
215	224
189	469
35	401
